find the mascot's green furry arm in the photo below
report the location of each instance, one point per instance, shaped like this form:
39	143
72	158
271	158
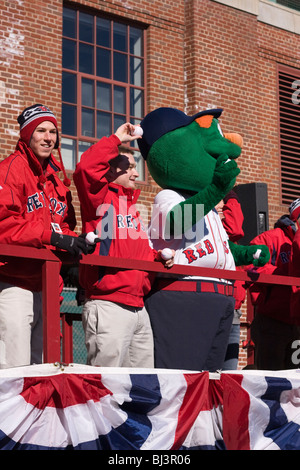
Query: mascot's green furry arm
257	255
191	154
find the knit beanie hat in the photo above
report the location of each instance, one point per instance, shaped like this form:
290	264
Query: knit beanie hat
295	209
30	118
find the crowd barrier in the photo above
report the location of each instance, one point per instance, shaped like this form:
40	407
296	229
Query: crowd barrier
70	406
57	349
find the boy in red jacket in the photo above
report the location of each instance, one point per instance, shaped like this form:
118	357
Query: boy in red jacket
116	323
36	211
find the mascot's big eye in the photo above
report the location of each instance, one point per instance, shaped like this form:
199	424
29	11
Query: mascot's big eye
220	130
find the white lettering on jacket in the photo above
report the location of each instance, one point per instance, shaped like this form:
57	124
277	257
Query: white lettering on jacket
129	221
37	200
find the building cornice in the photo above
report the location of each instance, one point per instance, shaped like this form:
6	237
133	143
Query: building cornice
268	12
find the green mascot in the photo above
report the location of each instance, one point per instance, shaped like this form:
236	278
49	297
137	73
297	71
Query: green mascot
193	162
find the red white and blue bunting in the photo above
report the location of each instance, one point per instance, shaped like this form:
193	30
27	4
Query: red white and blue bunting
51	407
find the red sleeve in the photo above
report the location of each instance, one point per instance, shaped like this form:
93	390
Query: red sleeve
14	229
233	221
89	176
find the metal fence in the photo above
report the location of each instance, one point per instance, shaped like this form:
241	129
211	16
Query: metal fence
62	329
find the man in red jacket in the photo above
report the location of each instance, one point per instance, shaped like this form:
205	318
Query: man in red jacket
294	270
274	329
36	211
116	323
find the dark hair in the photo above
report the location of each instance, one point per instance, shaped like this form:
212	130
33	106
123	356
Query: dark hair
122	149
125	149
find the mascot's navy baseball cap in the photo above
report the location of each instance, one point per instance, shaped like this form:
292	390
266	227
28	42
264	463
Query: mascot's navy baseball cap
163	120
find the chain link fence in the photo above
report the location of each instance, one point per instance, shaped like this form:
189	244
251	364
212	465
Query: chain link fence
70	305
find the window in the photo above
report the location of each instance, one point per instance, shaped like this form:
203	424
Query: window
289	118
294	4
102	81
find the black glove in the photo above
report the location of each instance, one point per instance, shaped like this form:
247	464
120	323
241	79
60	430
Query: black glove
90	247
74	245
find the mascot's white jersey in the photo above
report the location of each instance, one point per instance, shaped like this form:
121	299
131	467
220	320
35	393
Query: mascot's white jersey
205	245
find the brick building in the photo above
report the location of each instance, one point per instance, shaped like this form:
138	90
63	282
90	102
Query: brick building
97	63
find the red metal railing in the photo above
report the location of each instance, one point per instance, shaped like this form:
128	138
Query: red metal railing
50	267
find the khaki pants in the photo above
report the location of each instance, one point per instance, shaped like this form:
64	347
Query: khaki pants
117	335
21	327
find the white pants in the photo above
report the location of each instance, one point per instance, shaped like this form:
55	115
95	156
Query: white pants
21	326
117	335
